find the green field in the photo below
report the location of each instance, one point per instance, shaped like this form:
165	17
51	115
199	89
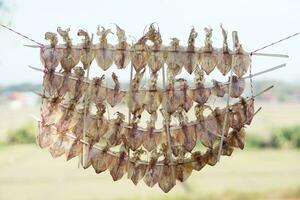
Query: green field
27	172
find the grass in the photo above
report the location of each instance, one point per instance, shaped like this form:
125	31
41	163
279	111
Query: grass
274	115
27	172
12	117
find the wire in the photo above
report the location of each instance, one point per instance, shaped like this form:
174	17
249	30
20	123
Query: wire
24	36
273	43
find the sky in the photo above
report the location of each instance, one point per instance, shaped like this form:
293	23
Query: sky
257	22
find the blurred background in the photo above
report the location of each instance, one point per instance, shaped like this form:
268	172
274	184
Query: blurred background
268	168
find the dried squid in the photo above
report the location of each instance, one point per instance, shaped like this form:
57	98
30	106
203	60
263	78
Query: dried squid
237	86
140	54
46	136
183	169
208	57
114	130
240	60
153	170
135	98
197	160
50	55
200	93
61	144
137	170
185	135
191	58
149	136
153	96
134	136
97	91
87	54
71	55
114	96
225	55
168	181
102	160
122	50
156	60
174	58
236	138
75	149
120	166
105	51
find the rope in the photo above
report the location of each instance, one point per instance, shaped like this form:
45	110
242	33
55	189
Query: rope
20	34
273	43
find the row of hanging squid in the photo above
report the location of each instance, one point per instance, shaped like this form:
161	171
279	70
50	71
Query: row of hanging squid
74	112
177	93
141	53
207	129
61	129
109	141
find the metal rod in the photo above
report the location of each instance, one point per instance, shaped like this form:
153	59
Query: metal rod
31	46
259	109
271	55
266	71
265	90
260	73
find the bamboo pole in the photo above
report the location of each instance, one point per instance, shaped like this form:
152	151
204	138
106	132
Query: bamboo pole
225	83
129	113
168	133
227	105
85	107
166	50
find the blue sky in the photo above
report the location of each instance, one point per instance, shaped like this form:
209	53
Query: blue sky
258	23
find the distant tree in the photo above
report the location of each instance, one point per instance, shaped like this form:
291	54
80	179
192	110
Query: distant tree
2	5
